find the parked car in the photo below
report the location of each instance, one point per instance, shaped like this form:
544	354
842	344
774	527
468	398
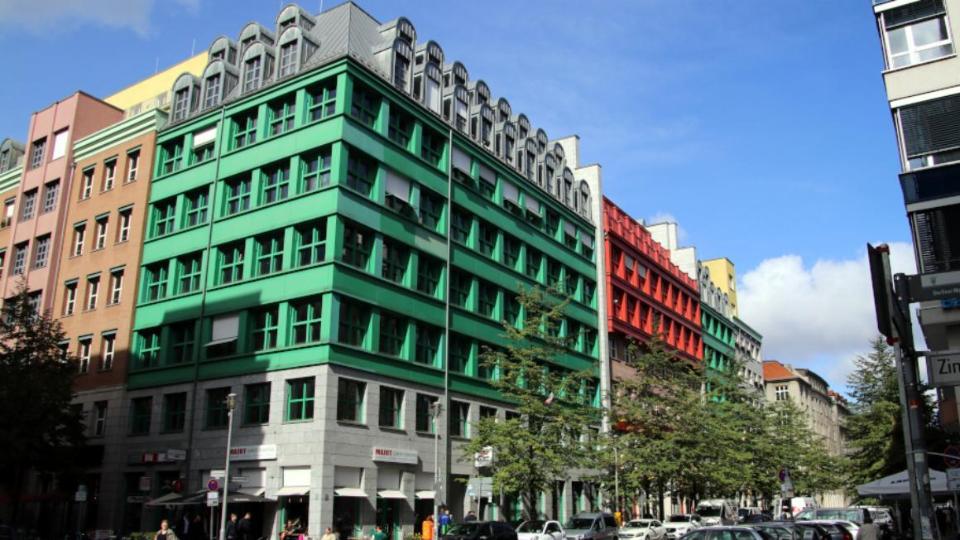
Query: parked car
536	529
643	529
838	530
591	526
757	518
725	533
680	524
717	512
789	530
744	512
481	530
856	515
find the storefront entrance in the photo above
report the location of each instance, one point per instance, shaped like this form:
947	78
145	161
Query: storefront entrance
346	517
388	517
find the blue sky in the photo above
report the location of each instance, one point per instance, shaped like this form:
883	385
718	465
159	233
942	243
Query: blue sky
761	127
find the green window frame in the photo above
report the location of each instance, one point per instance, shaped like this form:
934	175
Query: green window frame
511	309
391	408
395	259
589	341
588	291
203	153
190	270
400	128
316	170
555	275
487	243
282	114
429	270
459	419
172	156
197	202
164	217
148	348
350	400
174	412
354	321
425	421
511	251
276	183
428	344
431	209
487	298
552	223
361	172
256	404
266	328
460	225
357	245
269	253
155	282
431	148
460	350
322	100
238	195
300	397
460	284
393	333
230	262
141	410
217	417
570	240
364	105
533	264
311	243
306	315
183	336
245	129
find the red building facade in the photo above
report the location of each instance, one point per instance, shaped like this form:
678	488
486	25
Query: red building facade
645	290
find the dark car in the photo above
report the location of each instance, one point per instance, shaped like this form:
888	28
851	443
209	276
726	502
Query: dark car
789	530
481	530
757	518
856	515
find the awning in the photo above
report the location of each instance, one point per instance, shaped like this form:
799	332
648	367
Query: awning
244	496
391	494
898	485
350	492
292	491
426	494
163	500
254	491
215	342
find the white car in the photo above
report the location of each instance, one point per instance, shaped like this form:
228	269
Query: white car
540	530
643	529
680	524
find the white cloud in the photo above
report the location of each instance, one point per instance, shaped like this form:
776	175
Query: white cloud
58	15
818	316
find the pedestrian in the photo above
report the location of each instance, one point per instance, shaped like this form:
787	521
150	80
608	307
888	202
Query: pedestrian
288	531
445	520
231	529
184	530
197	531
379	534
426	529
868	530
471	516
165	532
245	528
328	534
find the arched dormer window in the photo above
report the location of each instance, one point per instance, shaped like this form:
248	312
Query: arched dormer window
214	83
460	108
256	67
402	55
503	110
523	126
186	95
585	202
567	188
295	49
527	159
541	141
292	15
223	49
559	153
431	94
481	93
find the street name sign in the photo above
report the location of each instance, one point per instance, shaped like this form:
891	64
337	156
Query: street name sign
213	498
953	479
937	286
943	368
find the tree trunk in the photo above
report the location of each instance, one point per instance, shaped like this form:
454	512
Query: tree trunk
660	501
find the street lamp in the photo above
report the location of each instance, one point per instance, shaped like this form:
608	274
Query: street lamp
231	404
435	409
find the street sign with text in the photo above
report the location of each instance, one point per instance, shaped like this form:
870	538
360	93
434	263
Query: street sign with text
937	286
943	368
953	479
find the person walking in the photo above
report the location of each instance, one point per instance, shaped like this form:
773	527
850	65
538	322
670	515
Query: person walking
426	531
445	521
165	532
378	534
245	528
328	534
471	516
197	530
231	529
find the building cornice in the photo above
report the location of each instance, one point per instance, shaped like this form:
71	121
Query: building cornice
117	133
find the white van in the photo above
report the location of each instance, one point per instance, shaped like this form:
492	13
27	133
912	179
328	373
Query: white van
717	512
795	505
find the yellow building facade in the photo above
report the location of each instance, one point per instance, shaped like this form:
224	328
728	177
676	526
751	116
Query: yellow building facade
153	92
724	275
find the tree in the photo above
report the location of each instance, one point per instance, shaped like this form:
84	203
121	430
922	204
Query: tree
38	427
548	436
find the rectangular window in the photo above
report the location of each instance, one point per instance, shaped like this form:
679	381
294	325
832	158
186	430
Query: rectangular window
149	348
350	395
256	403
126	217
174	412
269	253
431	209
231	263
93	291
84	348
461	224
365	105
282	113
204	145
554	274
915	33
276	183
357	245
107	351
459	419
311	243
322	100
361	172
197	202
86	184
534	263
155	281
937	244
429	270
306	320
171	158
27	204
79	231
212	88
36	152
460	285
316	170
140	412
511	309
164	216
487	298
189	273
299	400
69	298
395	257
41	251
182	336
393	333
99	418
428	344
391	408
401	126
9	209
588	292
266	326
488	239
100	241
217	417
60	140
460	349
426	420
782	392
354	320
245	129
511	251
109	175
133	162
238	195
50	192
432	147
20	258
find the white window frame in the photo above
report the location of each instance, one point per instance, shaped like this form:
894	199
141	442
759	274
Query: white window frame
79	232
101	239
107	348
84	347
123	232
912	49
116	286
133	162
93	293
70	299
60	144
109	175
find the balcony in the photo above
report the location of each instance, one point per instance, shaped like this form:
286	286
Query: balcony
931	183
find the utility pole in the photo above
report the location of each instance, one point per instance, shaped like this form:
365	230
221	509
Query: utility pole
435	409
893	321
231	404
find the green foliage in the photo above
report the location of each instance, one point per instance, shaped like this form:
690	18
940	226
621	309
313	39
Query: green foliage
549	435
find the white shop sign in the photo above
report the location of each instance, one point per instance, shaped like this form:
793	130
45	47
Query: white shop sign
253	453
395	455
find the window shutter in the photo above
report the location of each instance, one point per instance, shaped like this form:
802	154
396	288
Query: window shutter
487	175
912	12
931	126
226	328
533	205
587	240
461	161
204	137
570	229
398	186
511	193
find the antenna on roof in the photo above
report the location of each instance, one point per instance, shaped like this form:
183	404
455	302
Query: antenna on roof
321	7
193	46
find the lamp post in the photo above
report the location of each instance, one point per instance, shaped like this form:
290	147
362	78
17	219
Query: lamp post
616	477
435	409
231	404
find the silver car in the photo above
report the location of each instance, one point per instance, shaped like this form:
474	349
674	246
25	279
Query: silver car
643	529
591	526
724	533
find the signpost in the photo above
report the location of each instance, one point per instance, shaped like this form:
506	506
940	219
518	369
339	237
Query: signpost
212	484
943	368
931	287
